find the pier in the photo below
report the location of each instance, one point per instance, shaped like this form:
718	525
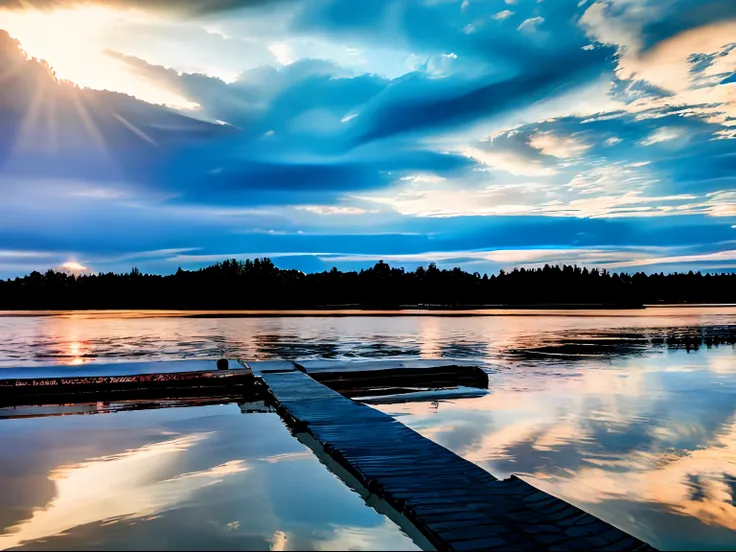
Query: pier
440	499
455	504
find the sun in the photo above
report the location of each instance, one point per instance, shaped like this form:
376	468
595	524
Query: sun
74	43
73	267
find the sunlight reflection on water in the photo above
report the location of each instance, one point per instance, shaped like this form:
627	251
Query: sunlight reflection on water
616	411
87	336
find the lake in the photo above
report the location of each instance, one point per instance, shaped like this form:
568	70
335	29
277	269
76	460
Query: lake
630	415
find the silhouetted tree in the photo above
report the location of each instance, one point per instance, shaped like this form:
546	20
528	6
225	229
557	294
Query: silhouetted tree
258	283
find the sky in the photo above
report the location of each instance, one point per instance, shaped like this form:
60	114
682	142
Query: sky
485	134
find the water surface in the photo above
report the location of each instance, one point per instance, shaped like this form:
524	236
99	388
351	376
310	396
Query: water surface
75	337
646	443
630	415
194	478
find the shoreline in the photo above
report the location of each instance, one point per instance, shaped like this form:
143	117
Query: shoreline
336	311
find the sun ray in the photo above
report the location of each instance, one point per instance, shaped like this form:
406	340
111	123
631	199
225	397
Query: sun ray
26	136
74	41
87	120
135	130
52	123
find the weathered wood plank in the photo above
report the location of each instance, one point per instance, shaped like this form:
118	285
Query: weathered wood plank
454	503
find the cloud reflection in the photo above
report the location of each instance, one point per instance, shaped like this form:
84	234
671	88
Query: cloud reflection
383	537
118	487
279	541
647	443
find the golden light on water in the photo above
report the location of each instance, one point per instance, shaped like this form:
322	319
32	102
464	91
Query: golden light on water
75	351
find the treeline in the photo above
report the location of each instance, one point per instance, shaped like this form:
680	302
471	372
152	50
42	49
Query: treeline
258	284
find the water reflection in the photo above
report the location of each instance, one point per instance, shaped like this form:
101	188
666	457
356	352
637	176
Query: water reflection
629	414
648	444
202	477
507	337
118	487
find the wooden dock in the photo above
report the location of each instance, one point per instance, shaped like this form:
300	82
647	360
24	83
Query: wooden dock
453	503
376	378
50	385
442	500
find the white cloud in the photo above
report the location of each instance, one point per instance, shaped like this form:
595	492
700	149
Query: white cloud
720	256
423	178
334	210
509	162
627	204
18	254
503	15
512	257
722	203
669	65
531	23
563	147
610	178
662	135
613	141
451	202
282	52
593	193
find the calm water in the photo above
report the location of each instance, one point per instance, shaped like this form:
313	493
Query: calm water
614	411
198	478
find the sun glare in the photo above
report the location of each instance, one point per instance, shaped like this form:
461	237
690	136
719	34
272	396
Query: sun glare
74	267
73	42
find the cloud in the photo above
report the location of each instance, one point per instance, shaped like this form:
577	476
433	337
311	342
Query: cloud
503	15
509	162
564	147
326	121
710	258
334	210
531	24
180	6
661	135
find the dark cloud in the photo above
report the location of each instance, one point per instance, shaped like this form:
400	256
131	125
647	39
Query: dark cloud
681	15
465	104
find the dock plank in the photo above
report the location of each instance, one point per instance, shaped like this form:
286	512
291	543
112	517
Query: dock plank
454	503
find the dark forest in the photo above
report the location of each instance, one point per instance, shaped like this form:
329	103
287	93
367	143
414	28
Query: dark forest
258	284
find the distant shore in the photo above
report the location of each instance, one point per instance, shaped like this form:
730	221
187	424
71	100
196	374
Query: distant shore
336	311
259	285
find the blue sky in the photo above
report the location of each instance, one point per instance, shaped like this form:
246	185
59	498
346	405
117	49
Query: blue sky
484	134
